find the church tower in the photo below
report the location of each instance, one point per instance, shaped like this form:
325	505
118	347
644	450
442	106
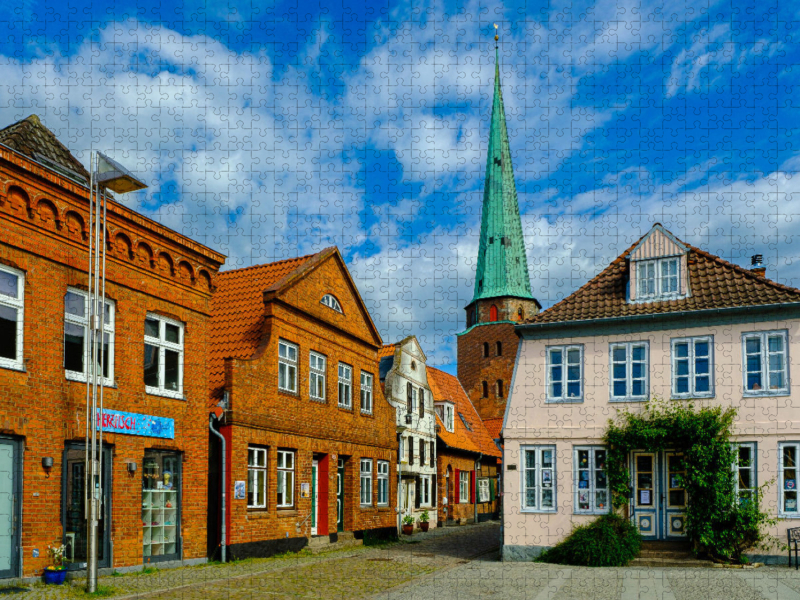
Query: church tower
488	347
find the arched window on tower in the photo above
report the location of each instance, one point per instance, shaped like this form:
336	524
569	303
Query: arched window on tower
485	349
493	313
499	388
485	389
499	348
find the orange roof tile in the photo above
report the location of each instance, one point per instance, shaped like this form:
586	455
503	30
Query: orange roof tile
387	350
446	387
713	283
493	426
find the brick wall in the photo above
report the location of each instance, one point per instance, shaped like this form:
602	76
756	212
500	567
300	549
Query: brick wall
448	461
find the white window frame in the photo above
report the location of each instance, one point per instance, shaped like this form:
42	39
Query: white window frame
629	346
383	483
288	366
286	484
657	279
425	491
108	329
365	478
163	346
765	355
737	468
317	367
330	301
257	468
591	487
782	490
463	485
692	361
366	392
565	380
484	493
345	386
539	472
17	304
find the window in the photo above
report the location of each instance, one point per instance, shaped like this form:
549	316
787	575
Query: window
409	398
12	298
745	471
538	475
765	363
483	490
485	349
449	417
163	356
256	477
421	452
499	388
383	483
658	279
421	397
564	366
499	346
161	505
411	450
287	366
316	376
629	371
366	481
432	455
789	453
463	487
591	483
331	302
493	313
692	369
285	478
345	386
366	392
77	347
425	490
484	389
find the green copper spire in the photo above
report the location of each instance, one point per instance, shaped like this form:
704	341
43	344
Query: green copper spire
502	264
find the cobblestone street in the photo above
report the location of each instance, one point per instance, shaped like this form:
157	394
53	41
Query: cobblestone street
454	564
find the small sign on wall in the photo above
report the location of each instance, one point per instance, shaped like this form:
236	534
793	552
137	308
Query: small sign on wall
511	468
239	490
305	490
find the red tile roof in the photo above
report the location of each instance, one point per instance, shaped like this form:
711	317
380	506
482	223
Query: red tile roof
713	283
386	350
493	426
446	387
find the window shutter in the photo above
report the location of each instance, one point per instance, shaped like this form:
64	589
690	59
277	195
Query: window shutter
434	490
492	483
421	403
472	482
409	404
419	492
421	452
456	486
410	450
432	449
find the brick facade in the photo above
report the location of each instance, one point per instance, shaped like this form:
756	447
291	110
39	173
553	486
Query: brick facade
150	269
450	460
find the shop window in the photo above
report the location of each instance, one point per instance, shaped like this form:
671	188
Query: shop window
538	477
256	477
316	375
366	392
590	481
285	491
692	368
161	510
383	483
12	298
77	344
366	481
163	356
345	386
287	366
765	363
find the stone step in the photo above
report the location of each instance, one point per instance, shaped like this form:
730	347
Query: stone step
345	536
686	563
664	554
323	543
673	546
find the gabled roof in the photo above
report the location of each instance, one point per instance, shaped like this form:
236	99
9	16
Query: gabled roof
494	426
387	350
714	283
31	138
446	387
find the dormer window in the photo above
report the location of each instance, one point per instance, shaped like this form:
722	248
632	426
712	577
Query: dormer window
446	412
658	279
331	302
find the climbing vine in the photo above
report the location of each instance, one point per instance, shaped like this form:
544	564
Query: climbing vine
719	525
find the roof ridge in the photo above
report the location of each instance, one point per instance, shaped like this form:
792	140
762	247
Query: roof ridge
269	264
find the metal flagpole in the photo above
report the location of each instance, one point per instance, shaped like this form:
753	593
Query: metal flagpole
87	471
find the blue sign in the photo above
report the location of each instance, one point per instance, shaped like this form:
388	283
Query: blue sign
136	424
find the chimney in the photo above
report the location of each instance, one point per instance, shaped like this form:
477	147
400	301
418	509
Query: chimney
756	265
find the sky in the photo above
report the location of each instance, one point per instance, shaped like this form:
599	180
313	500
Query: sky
273	130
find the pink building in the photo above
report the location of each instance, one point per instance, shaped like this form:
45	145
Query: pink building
665	320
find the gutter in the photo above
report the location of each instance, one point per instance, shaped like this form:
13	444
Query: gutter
222	543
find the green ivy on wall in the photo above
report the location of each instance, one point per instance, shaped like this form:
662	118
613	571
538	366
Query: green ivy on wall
719	525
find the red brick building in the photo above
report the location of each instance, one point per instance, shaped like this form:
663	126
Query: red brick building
158	290
466	455
310	439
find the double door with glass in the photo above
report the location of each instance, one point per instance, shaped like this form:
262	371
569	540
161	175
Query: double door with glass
659	498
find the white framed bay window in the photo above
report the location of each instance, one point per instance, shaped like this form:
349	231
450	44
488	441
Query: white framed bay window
78	336
538	479
12	304
590	482
766	363
163	356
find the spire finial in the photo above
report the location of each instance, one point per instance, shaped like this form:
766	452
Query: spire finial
496	36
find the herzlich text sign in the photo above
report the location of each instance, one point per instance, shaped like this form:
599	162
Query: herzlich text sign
136	424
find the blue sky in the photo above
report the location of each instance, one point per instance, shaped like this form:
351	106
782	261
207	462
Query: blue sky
272	130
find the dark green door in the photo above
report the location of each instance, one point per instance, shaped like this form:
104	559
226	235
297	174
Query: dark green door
340	496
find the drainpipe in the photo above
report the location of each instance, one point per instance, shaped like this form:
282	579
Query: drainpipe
399	475
477	467
211	418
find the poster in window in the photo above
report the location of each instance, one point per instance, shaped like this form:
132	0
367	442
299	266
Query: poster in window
673	482
583	485
546	477
644	497
790	484
791	504
239	490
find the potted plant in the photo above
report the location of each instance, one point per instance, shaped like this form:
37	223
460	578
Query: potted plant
56	573
423	521
408	525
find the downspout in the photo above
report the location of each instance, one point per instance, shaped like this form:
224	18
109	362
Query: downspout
399	476
477	470
211	418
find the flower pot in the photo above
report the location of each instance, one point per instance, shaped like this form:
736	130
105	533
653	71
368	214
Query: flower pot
55	575
424	525
408	529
